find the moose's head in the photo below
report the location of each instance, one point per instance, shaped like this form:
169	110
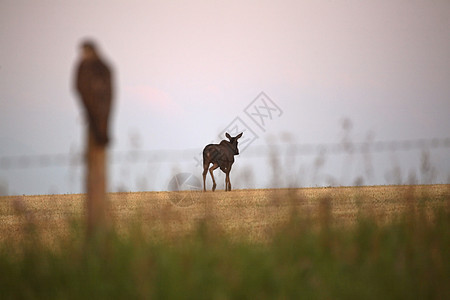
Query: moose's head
234	142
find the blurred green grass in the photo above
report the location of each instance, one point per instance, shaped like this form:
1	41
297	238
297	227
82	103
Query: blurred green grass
407	257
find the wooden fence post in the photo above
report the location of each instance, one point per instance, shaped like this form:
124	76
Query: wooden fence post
95	185
94	86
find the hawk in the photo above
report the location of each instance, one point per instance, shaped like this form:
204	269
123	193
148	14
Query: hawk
93	83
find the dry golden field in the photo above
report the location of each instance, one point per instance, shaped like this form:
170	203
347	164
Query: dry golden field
241	213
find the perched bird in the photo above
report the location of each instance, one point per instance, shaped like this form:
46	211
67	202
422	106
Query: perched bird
93	83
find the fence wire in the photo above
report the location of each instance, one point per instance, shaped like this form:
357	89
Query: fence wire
158	156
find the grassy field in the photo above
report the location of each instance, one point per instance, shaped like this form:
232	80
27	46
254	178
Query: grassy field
348	242
249	213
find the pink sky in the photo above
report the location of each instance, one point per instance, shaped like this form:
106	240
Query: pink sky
184	70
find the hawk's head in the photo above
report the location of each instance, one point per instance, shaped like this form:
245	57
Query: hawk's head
89	49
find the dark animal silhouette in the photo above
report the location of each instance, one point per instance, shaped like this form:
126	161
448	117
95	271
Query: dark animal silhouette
93	83
221	156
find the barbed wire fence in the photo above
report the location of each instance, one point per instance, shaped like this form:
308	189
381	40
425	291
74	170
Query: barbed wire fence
253	121
192	156
11	162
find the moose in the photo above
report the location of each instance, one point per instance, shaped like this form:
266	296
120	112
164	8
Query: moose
221	156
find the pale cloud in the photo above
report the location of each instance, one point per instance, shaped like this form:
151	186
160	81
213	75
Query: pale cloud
157	99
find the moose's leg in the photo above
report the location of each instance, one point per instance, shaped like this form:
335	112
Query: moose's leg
227	179
214	166
228	184
205	170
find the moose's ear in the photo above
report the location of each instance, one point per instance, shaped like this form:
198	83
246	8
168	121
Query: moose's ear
227	135
239	135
